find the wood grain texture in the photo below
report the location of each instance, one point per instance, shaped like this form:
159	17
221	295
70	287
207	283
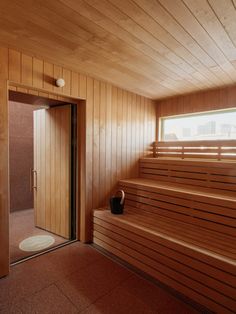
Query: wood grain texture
194	271
178	226
163	200
214	150
153	48
220	98
104	138
52	140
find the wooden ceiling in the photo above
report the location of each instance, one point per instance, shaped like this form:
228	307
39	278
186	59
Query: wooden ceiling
154	48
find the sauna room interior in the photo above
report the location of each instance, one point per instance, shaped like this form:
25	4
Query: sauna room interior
118	156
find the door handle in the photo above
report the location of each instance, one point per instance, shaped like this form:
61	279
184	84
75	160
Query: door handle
33	179
30	179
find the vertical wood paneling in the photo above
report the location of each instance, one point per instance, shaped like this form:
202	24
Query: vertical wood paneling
48	173
81	178
57	173
124	135
86	216
197	102
65	171
108	140
117	126
113	138
27	70
74	84
41	176
36	160
48	76
119	134
146	126
52	162
142	121
96	143
53	169
66	74
151	123
82	86
138	132
102	146
37	73
133	135
14	66
57	73
129	135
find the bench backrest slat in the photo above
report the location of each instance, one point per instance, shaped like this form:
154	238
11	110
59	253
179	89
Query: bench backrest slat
216	176
218	150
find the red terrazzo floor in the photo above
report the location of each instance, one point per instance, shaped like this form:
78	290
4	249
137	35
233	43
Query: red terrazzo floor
79	279
21	227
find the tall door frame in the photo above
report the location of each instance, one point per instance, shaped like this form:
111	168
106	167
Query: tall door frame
5	88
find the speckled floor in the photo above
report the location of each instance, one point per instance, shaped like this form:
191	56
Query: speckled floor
79	279
21	227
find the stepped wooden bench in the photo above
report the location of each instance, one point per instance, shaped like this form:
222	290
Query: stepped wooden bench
179	227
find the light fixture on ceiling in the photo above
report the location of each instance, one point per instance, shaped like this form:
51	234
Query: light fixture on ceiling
60	82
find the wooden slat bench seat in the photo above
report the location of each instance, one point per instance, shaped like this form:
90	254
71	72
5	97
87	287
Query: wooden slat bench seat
179	226
185	264
199	208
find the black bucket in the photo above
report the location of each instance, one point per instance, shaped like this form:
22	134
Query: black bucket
117	203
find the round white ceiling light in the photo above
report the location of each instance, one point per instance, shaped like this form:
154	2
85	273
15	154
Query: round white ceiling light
60	82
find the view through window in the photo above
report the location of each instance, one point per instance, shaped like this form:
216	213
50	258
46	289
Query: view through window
215	125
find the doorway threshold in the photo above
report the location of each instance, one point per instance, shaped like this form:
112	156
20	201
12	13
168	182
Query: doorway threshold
42	253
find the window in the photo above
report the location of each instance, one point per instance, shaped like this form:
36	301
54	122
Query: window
214	125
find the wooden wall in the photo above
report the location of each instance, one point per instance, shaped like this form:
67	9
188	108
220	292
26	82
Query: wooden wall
197	102
120	126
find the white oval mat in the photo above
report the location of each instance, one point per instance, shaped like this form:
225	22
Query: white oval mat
36	243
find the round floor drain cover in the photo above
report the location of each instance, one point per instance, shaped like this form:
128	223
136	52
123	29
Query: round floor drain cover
36	243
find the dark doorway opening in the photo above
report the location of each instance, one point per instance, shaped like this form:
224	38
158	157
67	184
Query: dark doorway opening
43	168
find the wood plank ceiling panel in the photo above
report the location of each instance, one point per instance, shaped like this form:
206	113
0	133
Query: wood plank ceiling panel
154	48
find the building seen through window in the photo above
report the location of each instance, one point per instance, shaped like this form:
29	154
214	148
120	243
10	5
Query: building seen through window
215	125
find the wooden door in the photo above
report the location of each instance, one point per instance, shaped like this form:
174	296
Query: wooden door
52	169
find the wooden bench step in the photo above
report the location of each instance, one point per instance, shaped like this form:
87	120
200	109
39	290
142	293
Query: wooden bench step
130	218
177	189
204	276
201	210
179	226
211	241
